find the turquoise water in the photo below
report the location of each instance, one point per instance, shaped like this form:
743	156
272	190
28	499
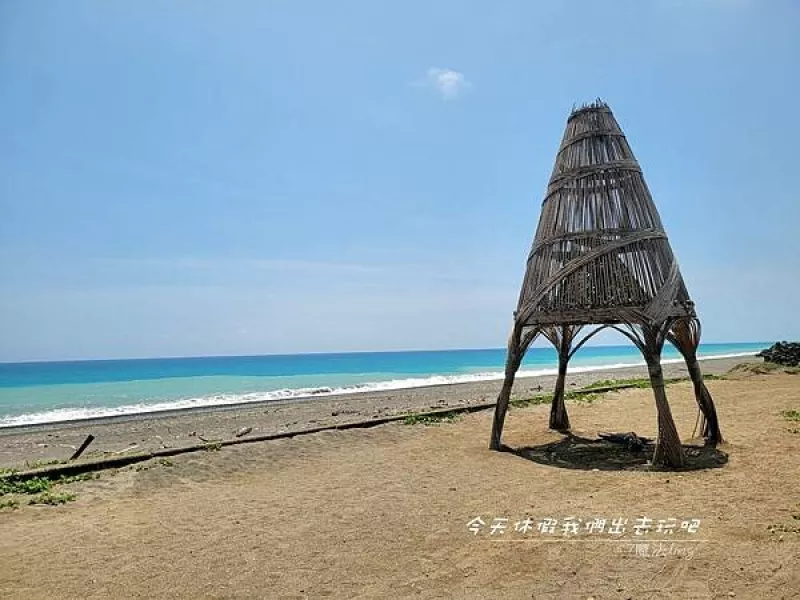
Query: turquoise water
58	391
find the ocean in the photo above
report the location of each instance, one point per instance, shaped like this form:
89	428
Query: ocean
44	392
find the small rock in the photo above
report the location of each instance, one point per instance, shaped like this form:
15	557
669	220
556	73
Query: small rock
334	413
243	431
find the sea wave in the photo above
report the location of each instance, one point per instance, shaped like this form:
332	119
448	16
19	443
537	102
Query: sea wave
83	413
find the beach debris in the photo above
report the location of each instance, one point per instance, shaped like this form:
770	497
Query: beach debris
128	449
630	440
243	431
89	439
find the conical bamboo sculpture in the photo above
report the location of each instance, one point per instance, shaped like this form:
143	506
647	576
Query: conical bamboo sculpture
601	258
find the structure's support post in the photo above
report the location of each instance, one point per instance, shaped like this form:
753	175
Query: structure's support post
517	344
685	336
668	451
559	419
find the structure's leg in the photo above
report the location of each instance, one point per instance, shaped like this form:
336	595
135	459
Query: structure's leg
561	337
710	425
685	336
513	360
559	419
668	451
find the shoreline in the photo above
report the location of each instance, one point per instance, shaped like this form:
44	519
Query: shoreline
139	432
306	394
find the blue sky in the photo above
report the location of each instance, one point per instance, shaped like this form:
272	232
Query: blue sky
193	178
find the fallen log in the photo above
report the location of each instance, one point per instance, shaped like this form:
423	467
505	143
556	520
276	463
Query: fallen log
89	439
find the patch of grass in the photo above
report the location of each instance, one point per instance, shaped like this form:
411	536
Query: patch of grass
9	503
8	471
713	377
53	498
10	485
764	368
78	477
791	415
444	417
161	462
585	398
212	446
38	485
532	401
37	464
638	382
603	383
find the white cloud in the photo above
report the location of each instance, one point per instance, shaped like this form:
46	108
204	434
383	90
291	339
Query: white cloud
449	84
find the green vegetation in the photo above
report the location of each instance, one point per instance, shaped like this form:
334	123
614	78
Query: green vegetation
40	488
713	377
10	485
532	401
161	462
213	446
637	383
53	498
79	477
584	398
764	368
423	419
643	382
37	464
791	415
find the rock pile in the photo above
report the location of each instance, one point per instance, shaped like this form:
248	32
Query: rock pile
782	353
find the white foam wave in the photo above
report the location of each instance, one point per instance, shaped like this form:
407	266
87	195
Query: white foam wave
82	413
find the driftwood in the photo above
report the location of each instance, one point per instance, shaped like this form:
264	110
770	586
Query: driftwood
89	439
243	431
601	259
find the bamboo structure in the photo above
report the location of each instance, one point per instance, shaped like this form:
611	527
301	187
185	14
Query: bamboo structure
601	259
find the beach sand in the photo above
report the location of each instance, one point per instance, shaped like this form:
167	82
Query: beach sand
383	512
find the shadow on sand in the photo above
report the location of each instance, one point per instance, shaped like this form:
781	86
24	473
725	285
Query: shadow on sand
574	452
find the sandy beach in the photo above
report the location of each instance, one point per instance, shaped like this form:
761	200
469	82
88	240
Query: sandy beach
384	512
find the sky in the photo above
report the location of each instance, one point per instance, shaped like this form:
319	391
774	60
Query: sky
209	178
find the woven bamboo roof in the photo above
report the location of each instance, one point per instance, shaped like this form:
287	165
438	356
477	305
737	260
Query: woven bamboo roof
600	254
